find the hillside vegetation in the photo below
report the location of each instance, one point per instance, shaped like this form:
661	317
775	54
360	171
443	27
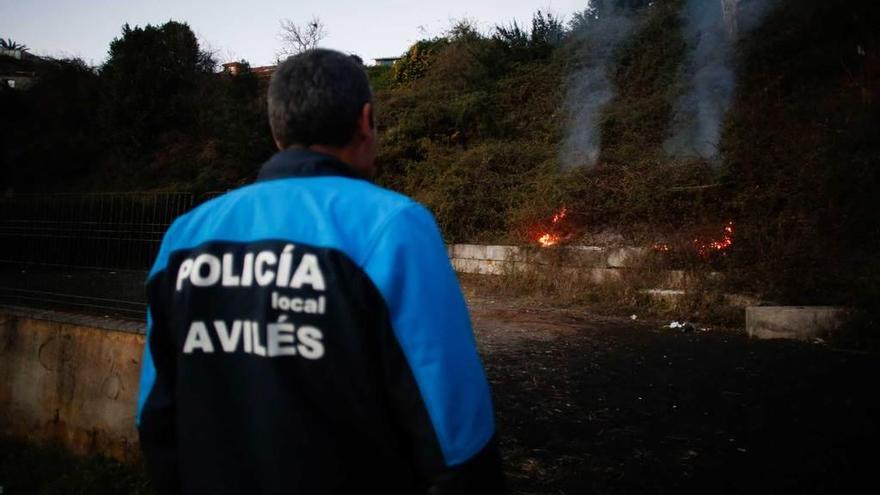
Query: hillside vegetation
471	124
476	137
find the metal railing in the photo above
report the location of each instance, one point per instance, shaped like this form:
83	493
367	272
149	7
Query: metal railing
104	231
71	302
65	249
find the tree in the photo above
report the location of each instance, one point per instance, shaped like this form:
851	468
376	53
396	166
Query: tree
8	44
547	31
153	77
48	132
512	36
297	38
584	19
414	64
522	45
464	30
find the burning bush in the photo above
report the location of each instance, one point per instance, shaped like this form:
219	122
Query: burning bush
554	231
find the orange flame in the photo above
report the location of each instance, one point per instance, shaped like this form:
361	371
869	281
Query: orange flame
559	216
549	238
706	248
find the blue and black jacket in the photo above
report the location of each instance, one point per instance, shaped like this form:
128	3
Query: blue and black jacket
306	334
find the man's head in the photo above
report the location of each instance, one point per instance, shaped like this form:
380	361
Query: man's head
321	100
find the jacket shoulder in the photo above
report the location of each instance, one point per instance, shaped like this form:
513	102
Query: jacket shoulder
332	212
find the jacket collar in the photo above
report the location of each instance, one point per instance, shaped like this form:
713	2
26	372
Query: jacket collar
300	162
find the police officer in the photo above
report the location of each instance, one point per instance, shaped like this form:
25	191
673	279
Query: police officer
306	333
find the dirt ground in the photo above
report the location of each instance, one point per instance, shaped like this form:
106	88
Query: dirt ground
597	404
590	404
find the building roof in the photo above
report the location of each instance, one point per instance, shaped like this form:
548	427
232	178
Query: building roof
16	63
264	71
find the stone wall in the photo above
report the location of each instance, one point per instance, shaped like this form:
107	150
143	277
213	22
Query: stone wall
794	322
599	264
70	379
497	260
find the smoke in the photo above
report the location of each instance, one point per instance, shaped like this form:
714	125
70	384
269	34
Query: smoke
712	28
588	88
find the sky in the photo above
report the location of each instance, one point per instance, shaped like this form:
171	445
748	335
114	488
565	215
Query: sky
249	29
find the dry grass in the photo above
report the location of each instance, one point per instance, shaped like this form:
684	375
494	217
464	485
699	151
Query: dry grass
615	291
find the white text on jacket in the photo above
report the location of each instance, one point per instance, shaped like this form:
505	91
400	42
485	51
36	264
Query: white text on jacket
263	268
281	338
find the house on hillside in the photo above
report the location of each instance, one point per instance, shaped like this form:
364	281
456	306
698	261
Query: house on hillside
18	68
264	72
386	61
236	68
233	68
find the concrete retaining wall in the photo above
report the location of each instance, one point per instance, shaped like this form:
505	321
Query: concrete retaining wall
599	264
793	322
496	260
70	379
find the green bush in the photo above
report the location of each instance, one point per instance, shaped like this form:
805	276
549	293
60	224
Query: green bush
381	77
415	63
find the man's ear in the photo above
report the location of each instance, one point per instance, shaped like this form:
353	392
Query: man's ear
365	121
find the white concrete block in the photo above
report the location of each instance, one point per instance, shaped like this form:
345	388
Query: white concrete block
482	267
626	257
793	322
502	253
469	251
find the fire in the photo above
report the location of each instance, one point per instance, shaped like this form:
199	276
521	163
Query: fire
705	245
547	240
706	248
551	238
559	216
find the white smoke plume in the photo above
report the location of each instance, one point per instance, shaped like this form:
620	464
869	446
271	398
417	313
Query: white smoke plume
712	28
588	88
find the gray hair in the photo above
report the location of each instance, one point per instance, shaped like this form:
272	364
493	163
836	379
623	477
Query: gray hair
316	97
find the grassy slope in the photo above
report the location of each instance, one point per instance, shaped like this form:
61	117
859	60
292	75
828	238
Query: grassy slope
478	144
